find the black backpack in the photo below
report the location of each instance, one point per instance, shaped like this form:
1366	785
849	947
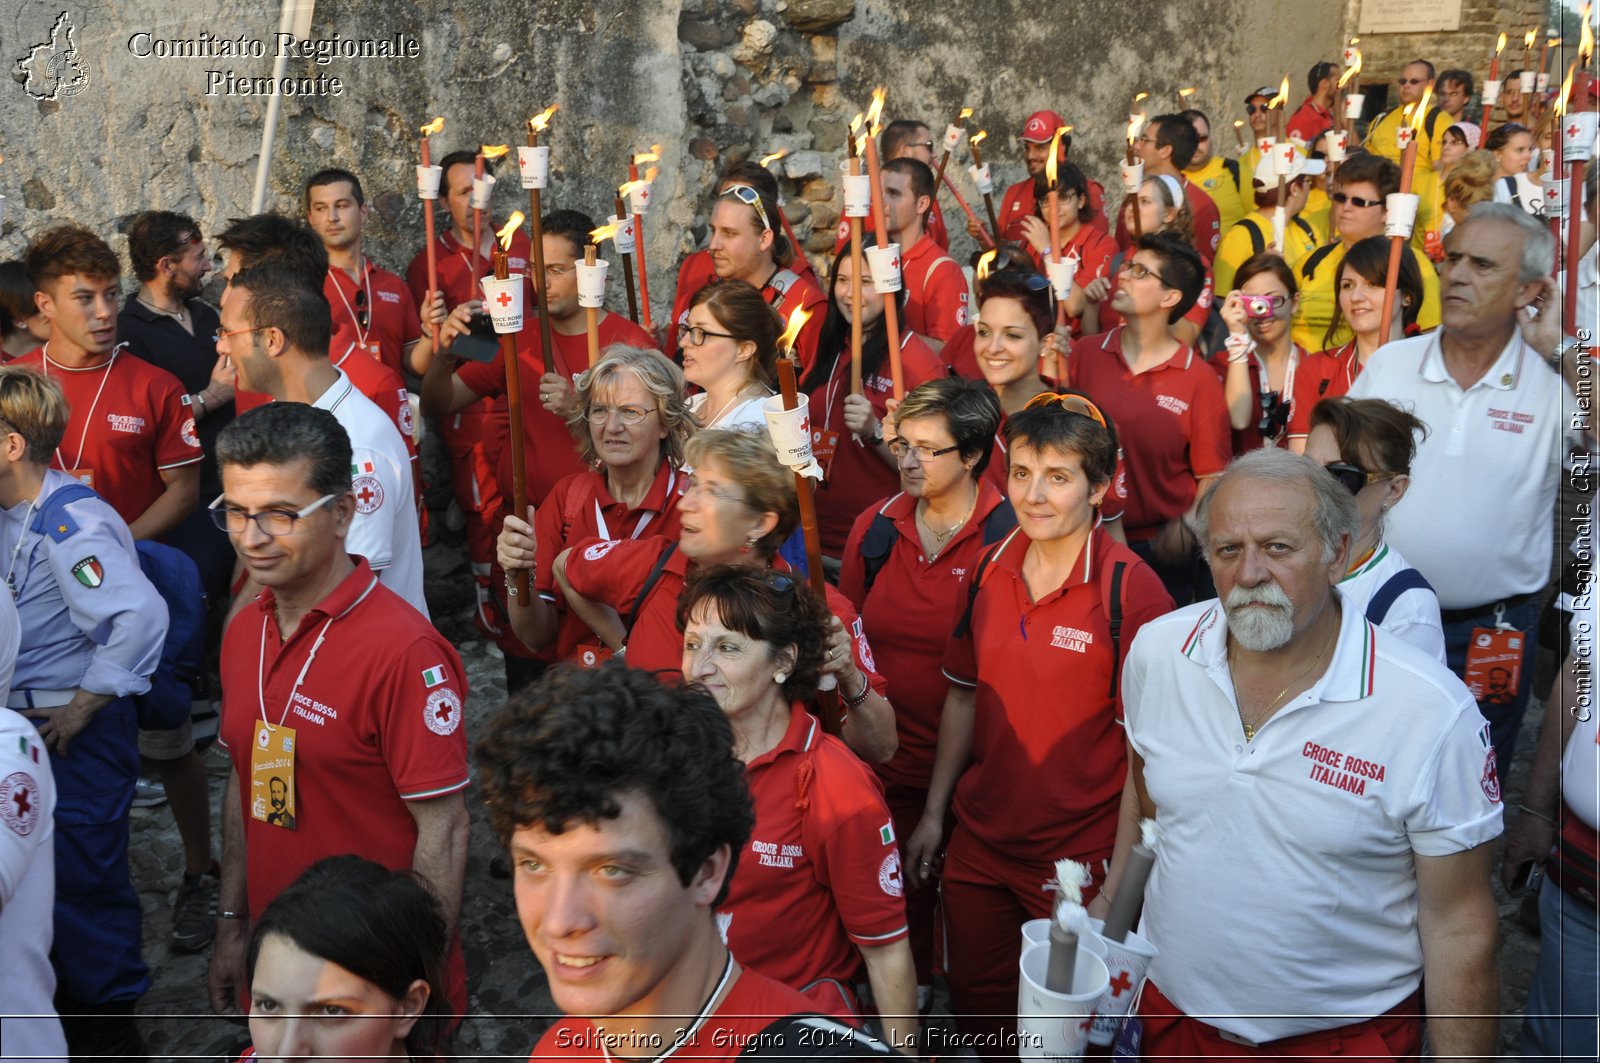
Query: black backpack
879	541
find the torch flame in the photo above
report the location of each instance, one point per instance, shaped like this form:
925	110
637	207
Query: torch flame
984	261
1560	110
1138	98
1134	122
1238	123
774	157
433	127
1351	71
495	152
1282	98
630	188
653	155
966	112
1527	38
1500	45
537	123
1355	40
607	231
1586	42
1186	93
791	333
1421	111
875	112
978	137
1050	163
512	224
650	175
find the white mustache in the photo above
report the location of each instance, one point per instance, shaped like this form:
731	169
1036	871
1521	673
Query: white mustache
1266	594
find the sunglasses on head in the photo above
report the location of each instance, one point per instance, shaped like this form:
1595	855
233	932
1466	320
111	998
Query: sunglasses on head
1354	477
1071	403
750	198
1356	201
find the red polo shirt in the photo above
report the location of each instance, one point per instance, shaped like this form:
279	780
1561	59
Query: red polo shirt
1019	202
1207	222
697	272
857	476
910	584
1112	506
822	856
580	508
392	320
1172	423
454	263
552	453
1309	122
1046	775
1324	375
126	425
934	226
377	714
1196	315
936	291
959	353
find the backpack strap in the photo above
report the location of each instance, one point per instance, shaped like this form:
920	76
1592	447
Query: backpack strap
1305	227
51	517
650	582
1513	190
780	284
1407	579
1111	602
876	545
1001	522
1308	268
1258	239
1232	166
928	276
964	625
1431	122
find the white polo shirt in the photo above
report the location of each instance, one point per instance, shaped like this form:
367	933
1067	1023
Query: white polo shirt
1477	520
1413	616
385	529
1283	898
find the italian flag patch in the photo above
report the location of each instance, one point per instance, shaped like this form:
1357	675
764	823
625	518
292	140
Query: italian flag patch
361	468
432	677
89	573
886	833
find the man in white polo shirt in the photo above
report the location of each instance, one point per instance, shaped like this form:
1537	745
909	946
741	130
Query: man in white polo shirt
1477	522
1327	800
275	328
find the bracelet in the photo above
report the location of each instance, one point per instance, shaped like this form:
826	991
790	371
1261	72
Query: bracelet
1538	815
855	702
200	397
242	916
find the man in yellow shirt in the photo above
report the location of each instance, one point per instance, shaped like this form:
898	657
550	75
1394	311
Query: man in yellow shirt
1362	182
1217	175
1253	233
1383	139
1255	111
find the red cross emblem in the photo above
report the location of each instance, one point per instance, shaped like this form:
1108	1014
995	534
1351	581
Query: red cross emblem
24	802
443	711
1086	1023
1121	984
1573	131
1290	155
504	299
365	496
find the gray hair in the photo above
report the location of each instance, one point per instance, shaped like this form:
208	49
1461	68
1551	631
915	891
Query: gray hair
1538	246
283	433
1336	516
659	375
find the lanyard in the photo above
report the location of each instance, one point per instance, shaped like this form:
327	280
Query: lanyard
88	419
366	277
22	533
261	672
644	516
693	1028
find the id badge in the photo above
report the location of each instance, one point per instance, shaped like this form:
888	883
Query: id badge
1494	665
376	351
824	445
272	776
83	476
590	653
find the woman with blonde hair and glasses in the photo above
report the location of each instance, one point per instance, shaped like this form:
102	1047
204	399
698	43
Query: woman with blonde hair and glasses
632	421
1031	779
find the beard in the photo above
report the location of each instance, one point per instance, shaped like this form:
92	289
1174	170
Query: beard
1260	629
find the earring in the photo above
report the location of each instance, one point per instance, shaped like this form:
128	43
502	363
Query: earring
780	678
749	545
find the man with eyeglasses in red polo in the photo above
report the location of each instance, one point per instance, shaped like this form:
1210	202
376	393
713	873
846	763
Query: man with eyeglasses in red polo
747	245
1362	182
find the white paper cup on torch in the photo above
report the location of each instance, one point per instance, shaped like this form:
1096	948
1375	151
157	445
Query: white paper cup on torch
592	283
952	137
639	198
482	189
503	299
1283	158
1555	196
1132	177
1264	144
1491	93
1055	1026
1351	55
1404	136
1338	145
1529	79
623	229
533	164
1126	963
1061	276
857	193
1037	932
428	178
1577	136
1353	104
884	265
1541	82
1400	214
791	436
983	178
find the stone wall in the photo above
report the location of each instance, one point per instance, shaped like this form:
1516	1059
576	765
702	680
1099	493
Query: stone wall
711	80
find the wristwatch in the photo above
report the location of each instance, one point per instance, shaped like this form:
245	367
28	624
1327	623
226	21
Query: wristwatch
877	432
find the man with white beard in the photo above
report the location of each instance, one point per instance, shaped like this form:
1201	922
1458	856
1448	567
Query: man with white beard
1326	798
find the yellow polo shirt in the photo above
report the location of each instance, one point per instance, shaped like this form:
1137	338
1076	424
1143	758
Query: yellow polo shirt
1319	295
1238	246
1220	184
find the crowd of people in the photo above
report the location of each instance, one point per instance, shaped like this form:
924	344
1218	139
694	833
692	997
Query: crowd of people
1087	559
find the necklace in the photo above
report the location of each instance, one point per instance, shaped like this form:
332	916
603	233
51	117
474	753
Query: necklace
713	421
942	537
1250	729
180	315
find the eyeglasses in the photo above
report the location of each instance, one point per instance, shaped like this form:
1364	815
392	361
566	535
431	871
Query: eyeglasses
779	582
695	336
1342	198
695	487
750	198
1354	477
629	414
361	309
900	448
1071	403
1256	108
219	335
1412	81
1139	271
922	144
273	522
556	272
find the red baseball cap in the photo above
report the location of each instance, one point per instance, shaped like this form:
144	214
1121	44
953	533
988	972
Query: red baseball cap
1041	126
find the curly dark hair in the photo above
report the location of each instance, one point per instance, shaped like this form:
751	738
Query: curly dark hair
566	749
773	607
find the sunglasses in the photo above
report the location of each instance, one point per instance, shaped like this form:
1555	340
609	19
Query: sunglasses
362	317
1354	477
1023	269
922	144
1342	198
750	198
1256	108
1071	403
1412	81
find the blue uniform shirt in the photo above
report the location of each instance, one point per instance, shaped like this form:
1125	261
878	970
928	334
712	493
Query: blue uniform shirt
90	619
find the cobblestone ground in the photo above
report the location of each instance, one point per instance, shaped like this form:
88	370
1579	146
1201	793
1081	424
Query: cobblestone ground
509	1000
